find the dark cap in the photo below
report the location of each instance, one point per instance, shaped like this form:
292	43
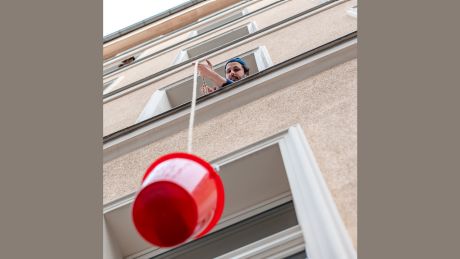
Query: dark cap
239	60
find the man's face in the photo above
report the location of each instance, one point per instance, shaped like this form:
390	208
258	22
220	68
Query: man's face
234	71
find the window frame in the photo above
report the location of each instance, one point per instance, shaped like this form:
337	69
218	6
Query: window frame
183	54
321	226
158	102
113	83
281	244
297	69
114	66
353	11
218	22
263	31
168	36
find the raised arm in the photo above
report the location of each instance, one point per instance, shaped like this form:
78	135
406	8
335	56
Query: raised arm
206	71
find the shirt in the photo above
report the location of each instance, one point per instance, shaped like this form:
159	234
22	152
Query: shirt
228	82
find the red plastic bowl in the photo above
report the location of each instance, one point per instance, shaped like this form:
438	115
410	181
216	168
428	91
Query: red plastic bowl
181	198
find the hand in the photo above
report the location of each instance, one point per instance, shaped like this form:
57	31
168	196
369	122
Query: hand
206	89
206	70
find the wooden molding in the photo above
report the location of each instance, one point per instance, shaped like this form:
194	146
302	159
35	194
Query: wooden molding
163	26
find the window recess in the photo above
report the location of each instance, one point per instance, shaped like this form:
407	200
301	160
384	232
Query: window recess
240	234
219	23
215	42
178	93
277	206
119	64
353	11
108	86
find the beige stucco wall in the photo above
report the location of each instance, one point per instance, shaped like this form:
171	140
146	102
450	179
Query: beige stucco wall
316	30
165	60
181	35
170	23
325	105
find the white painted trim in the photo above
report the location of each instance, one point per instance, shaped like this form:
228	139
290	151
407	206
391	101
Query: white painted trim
231	99
245	11
223	223
159	102
216	21
252	27
279	245
216	53
353	11
111	250
192	34
183	54
324	232
221	161
112	85
263	58
162	38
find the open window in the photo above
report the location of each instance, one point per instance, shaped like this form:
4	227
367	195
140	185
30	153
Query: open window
277	205
119	64
219	23
215	42
178	93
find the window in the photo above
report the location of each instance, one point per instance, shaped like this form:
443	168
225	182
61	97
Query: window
219	23
240	234
215	42
277	205
108	86
353	11
119	64
180	92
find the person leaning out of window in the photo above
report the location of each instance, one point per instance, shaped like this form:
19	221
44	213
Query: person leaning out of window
235	69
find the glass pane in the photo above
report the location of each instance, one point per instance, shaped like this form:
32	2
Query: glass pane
237	235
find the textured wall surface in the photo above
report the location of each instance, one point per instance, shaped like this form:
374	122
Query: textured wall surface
316	30
325	105
165	60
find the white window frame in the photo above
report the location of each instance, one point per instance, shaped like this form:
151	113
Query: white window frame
322	228
162	38
115	82
229	100
322	232
353	11
238	15
158	102
279	245
183	53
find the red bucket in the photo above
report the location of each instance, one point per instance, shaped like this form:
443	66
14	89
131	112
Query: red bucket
181	198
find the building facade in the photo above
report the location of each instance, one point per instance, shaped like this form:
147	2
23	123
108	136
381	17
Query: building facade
284	138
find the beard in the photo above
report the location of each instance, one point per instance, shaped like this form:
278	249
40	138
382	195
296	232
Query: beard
235	77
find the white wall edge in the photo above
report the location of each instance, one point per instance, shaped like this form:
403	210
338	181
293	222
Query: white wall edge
231	99
306	16
325	234
289	240
323	231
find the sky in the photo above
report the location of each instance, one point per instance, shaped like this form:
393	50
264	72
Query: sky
119	14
